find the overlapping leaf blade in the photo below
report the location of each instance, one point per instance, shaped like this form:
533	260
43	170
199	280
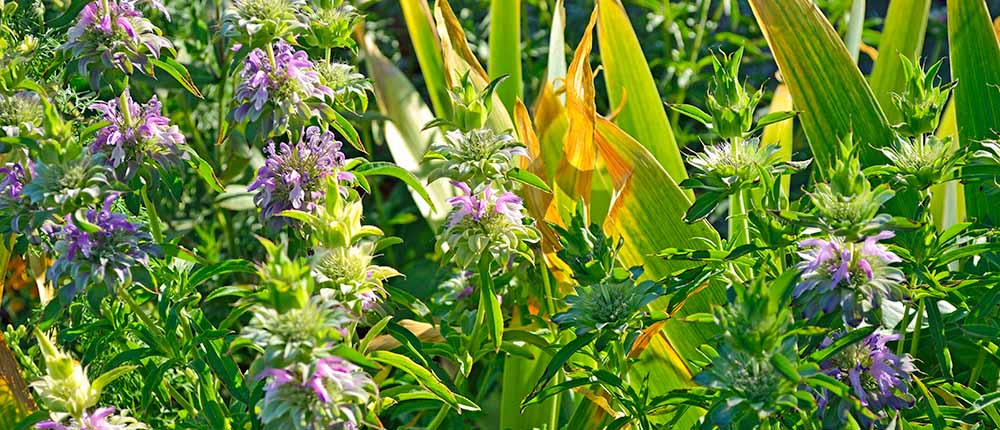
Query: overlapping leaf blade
822	79
975	54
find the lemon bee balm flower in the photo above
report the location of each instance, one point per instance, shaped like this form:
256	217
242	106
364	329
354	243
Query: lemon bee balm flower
855	276
114	34
490	222
330	393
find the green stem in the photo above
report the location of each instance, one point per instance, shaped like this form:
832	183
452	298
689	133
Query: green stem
739	226
154	330
439	418
915	343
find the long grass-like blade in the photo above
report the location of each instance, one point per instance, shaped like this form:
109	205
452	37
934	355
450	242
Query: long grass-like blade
975	56
420	27
630	85
903	33
505	49
825	83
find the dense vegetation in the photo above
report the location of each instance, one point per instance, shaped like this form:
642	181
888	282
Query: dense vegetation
290	214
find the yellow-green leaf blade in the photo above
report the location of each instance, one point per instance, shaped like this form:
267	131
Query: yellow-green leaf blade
824	81
629	80
975	56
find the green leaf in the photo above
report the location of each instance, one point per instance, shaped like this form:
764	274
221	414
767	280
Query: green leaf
505	49
785	367
425	378
852	337
179	72
528	178
227	266
108	377
975	54
204	170
558	360
629	81
389	169
822	79
903	34
488	300
693	112
345	128
772	118
558	388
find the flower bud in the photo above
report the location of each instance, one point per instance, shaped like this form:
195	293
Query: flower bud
921	101
65	387
730	104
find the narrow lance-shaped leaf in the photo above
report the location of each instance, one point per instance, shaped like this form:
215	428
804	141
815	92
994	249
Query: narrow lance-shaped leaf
903	34
630	85
975	54
822	80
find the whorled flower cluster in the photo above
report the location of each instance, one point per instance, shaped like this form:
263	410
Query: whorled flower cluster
100	419
294	175
260	21
350	88
487	223
277	87
855	276
135	133
21	114
15	213
349	271
878	377
298	333
113	34
735	162
70	397
64	186
476	156
330	393
106	249
611	305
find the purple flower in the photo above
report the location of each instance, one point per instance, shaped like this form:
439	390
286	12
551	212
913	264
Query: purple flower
279	88
294	176
329	393
878	377
113	34
854	276
105	249
97	420
134	134
14	178
477	207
